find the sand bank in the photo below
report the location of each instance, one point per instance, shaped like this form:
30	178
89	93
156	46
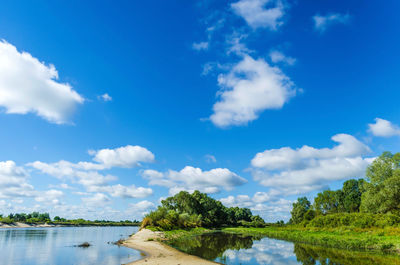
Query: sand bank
158	253
23	225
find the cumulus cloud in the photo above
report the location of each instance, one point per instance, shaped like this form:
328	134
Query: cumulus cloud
279	57
98	199
123	191
138	210
191	178
321	23
384	128
260	13
14	181
50	196
87	173
127	156
30	86
304	169
251	87
266	204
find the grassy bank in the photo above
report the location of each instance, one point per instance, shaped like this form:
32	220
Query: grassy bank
379	239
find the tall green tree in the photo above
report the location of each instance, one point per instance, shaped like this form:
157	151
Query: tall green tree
383	191
299	210
352	191
328	202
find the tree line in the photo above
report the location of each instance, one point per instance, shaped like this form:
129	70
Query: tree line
378	194
42	218
185	210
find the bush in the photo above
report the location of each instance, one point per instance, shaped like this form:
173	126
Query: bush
357	220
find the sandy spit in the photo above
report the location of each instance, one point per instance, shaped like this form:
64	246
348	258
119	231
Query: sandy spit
156	253
23	225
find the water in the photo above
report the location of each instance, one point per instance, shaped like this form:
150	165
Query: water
236	249
57	245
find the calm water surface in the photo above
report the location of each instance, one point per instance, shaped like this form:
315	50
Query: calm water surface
57	245
234	249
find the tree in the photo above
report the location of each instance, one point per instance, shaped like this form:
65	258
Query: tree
383	192
299	210
328	202
352	192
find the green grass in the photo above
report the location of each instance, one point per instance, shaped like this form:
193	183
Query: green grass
186	232
385	239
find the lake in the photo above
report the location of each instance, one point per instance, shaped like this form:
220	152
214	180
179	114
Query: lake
57	245
236	249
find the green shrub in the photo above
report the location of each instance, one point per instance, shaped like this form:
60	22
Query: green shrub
357	220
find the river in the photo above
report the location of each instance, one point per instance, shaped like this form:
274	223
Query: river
58	246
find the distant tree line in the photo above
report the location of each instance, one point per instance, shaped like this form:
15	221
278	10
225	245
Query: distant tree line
42	218
185	210
376	197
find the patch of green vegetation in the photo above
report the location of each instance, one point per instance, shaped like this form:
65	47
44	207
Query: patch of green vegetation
180	233
44	218
185	211
342	238
370	203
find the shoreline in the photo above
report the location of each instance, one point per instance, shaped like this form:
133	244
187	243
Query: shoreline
369	240
156	252
46	225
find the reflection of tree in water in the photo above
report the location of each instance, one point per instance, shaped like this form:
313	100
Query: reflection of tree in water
313	255
211	246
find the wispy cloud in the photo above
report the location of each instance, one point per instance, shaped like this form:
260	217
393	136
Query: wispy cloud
260	13
198	46
279	57
321	23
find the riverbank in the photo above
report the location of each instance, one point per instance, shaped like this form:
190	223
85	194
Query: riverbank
23	225
47	225
155	252
378	240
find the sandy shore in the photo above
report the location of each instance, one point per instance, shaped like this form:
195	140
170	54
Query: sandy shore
158	253
23	225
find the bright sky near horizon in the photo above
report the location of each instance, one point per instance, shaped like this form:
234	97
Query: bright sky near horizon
106	108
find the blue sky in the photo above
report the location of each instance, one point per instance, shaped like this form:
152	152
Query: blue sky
107	108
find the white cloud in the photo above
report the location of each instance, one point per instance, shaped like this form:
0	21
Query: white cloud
304	169
260	13
105	97
251	87
210	159
50	196
14	181
190	179
29	86
321	23
383	128
86	173
98	199
263	203
278	57
198	46
127	156
123	191
143	206
138	210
